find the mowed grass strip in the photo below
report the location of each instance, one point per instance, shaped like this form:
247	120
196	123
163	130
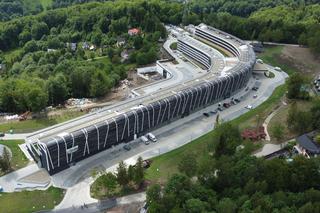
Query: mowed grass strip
23	202
36	124
165	165
18	159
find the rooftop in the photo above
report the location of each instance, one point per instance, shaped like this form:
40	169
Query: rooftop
307	143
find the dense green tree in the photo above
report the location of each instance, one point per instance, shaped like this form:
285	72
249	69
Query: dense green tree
315	111
100	84
30	46
153	193
188	165
195	205
297	87
139	172
227	139
277	131
57	89
122	174
5	160
38	30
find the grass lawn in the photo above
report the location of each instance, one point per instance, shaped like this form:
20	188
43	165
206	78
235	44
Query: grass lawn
45	3
271	55
24	201
167	163
281	117
18	158
36	124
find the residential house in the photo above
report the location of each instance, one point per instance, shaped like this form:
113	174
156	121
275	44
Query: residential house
133	31
307	146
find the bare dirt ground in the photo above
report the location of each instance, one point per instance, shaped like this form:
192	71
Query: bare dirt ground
303	59
122	91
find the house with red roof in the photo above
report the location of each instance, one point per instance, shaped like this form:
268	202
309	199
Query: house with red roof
133	31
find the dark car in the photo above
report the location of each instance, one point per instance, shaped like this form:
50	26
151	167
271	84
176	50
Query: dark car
2	134
146	163
220	109
206	114
126	147
226	105
214	112
255	88
236	100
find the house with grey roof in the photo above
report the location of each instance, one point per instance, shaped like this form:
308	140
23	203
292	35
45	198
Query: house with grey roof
307	145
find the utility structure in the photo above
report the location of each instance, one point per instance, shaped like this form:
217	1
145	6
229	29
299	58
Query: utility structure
62	145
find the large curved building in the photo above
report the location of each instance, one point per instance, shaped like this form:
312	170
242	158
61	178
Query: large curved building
57	147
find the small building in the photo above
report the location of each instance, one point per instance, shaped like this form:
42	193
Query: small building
51	50
85	45
72	46
92	47
257	47
133	31
120	42
307	146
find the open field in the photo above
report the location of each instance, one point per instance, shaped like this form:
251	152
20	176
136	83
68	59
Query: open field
30	201
18	160
36	124
272	55
281	117
167	163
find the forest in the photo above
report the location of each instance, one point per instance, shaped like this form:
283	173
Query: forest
41	68
10	9
47	71
231	180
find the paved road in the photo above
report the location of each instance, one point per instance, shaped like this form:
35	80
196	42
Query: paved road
15	136
9	181
170	137
182	72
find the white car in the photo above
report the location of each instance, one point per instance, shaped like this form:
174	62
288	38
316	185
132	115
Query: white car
151	137
277	69
249	107
145	140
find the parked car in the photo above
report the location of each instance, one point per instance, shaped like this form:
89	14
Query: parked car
255	96
277	69
2	134
255	88
144	209
127	147
247	88
220	109
1	189
237	100
226	105
249	107
206	114
151	137
146	163
214	112
145	140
